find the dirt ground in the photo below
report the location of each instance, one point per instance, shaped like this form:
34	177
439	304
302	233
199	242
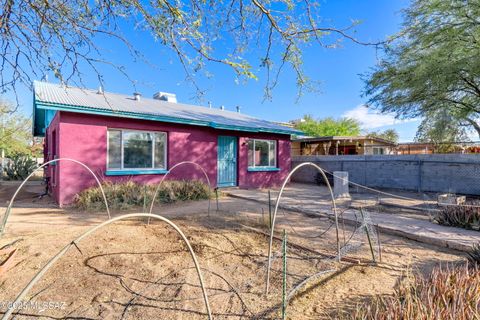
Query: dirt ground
131	270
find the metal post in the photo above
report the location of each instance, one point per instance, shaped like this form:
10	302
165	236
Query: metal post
368	235
269	210
379	245
274	215
284	289
75	242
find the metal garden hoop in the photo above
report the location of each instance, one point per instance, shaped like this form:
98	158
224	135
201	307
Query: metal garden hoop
272	229
163	178
75	242
9	208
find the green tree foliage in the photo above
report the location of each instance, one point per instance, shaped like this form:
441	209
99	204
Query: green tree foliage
16	133
389	134
443	130
432	65
328	126
66	37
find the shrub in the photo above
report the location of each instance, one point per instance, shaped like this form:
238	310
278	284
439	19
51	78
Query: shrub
459	216
19	167
130	194
447	293
474	254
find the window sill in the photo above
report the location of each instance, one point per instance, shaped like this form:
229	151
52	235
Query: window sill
259	169
134	172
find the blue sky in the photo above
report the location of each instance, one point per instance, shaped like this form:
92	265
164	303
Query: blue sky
338	71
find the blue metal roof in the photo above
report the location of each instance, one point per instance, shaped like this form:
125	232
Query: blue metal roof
49	96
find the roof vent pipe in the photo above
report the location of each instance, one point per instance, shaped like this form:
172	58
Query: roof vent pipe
136	96
222	108
100	90
238	109
210	104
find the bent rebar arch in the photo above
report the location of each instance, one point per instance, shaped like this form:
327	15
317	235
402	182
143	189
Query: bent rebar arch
272	229
163	178
75	242
9	208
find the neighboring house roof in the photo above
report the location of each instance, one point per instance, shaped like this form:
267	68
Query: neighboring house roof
49	96
414	143
342	138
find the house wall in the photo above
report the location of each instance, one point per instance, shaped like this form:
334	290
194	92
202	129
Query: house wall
369	145
360	147
296	148
414	149
51	152
84	138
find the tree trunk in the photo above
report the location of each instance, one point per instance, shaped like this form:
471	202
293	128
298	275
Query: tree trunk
474	124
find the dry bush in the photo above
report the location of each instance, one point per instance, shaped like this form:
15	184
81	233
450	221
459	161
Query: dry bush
447	293
130	194
474	254
459	216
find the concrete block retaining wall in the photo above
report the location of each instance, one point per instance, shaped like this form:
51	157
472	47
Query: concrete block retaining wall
456	173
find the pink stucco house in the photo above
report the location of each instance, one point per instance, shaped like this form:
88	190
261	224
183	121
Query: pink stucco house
122	137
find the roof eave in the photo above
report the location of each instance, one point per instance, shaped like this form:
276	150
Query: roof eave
332	138
151	117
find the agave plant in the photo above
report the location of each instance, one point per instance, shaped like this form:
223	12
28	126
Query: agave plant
474	254
446	293
19	167
467	217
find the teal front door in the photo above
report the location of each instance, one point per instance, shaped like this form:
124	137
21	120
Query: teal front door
227	161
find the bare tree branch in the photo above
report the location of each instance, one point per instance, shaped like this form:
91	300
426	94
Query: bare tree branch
64	37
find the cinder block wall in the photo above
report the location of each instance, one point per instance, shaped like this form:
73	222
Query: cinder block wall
457	173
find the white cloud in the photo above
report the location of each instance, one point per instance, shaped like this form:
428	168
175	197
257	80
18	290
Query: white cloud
370	119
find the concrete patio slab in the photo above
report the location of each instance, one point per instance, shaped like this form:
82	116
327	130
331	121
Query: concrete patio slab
315	200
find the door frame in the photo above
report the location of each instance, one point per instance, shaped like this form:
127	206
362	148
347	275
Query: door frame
54	150
236	152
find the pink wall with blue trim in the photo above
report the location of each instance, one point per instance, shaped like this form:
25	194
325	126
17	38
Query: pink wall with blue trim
84	138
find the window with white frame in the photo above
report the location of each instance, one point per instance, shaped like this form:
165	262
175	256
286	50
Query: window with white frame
262	153
378	150
129	149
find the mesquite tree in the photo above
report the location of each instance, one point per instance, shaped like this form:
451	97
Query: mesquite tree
328	126
388	134
65	36
432	69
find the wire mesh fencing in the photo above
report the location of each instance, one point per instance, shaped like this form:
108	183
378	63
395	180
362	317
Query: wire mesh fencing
310	253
